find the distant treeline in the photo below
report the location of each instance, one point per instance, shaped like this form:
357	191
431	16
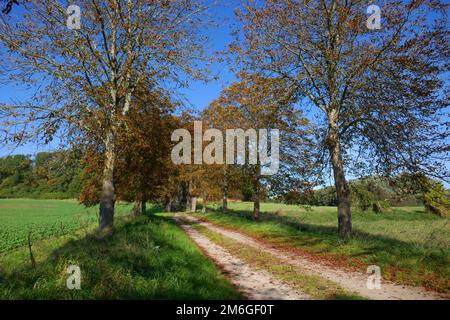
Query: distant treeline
378	194
48	175
362	191
59	175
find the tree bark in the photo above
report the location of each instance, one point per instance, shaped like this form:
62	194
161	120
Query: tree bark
193	204
225	190
188	205
204	203
168	206
340	182
107	201
139	208
256	194
144	206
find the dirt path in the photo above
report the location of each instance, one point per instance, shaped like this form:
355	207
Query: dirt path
253	284
352	281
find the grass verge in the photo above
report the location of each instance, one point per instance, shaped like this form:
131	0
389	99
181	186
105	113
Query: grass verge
405	262
147	258
314	286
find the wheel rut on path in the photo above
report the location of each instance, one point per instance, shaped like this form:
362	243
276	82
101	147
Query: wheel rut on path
350	280
253	283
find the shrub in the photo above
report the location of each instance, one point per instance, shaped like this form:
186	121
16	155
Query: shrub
435	199
380	206
360	197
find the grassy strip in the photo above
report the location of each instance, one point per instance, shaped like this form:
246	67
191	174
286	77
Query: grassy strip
147	258
400	261
314	286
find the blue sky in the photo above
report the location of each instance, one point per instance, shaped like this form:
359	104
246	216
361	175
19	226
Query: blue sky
198	95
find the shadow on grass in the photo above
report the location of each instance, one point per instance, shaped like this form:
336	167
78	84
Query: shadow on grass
418	263
329	232
154	209
147	258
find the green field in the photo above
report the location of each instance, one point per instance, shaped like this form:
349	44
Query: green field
409	224
43	219
152	258
410	246
147	258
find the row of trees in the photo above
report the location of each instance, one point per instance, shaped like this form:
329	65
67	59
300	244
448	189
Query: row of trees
48	175
345	98
68	175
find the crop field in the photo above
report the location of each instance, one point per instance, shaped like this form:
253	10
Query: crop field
148	258
43	219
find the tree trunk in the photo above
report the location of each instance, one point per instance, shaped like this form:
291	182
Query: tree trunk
225	190
137	209
168	206
189	198
204	203
193	204
256	208
144	206
107	201
256	194
342	188
187	205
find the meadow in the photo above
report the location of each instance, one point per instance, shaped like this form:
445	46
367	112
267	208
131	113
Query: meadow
148	258
410	245
410	224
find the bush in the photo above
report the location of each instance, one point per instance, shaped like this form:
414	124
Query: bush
380	206
360	197
435	199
